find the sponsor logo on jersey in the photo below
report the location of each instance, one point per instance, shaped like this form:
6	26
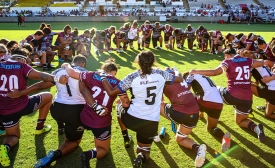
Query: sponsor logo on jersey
239	59
183	93
11	66
147	82
110	80
35	107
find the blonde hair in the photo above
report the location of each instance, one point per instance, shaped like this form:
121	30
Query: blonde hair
3	48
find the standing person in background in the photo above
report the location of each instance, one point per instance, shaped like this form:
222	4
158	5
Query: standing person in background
19	20
23	19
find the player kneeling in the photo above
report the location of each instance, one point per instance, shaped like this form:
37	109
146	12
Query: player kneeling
183	111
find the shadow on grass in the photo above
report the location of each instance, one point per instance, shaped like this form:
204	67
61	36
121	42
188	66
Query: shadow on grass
166	155
107	161
13	153
268	157
39	144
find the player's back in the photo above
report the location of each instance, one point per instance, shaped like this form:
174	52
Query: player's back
238	74
13	76
181	98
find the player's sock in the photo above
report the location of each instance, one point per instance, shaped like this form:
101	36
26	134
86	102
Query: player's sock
252	126
195	147
125	135
57	155
217	132
8	147
2	128
44	65
40	124
92	154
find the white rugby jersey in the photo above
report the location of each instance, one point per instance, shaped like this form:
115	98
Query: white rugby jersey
146	93
133	32
259	72
205	88
62	95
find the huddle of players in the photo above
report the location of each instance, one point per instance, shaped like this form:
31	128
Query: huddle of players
172	37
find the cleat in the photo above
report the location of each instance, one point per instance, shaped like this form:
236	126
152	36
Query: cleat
226	142
45	161
261	108
132	47
97	53
61	60
61	131
200	158
2	132
122	51
156	138
260	132
119	51
190	50
137	162
142	48
110	51
46	128
85	161
160	48
156	47
127	144
4	157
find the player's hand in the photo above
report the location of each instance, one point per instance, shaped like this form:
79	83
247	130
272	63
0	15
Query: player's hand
266	79
63	79
14	94
64	65
192	71
99	109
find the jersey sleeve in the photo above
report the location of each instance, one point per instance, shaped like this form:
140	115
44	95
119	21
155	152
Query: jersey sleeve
26	69
189	79
84	76
224	63
125	84
168	77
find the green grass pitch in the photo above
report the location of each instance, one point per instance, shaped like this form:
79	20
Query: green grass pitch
246	150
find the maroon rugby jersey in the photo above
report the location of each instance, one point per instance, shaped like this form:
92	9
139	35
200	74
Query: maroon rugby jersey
64	36
201	33
29	38
88	116
269	54
238	74
108	33
252	47
145	30
181	98
216	33
13	75
168	32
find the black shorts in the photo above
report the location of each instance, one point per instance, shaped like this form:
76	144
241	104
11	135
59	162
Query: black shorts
166	38
155	40
145	129
147	40
269	95
13	119
186	120
100	133
70	115
240	106
130	40
212	109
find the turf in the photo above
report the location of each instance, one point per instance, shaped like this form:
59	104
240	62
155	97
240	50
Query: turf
246	150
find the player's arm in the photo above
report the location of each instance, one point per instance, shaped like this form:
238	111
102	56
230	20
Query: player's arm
213	72
37	75
31	89
62	41
149	34
71	72
87	95
257	63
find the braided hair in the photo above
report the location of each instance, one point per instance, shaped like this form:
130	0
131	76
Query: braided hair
146	61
